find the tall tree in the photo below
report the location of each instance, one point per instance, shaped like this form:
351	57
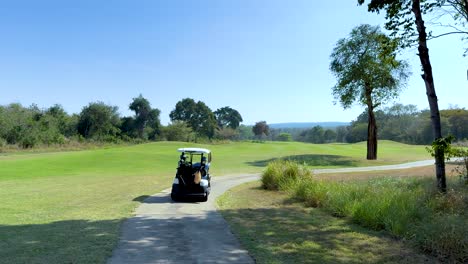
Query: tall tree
197	115
404	19
98	121
205	120
367	70
228	117
184	111
261	129
145	117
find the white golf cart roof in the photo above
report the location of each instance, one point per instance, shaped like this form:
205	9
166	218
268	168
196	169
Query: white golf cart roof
194	150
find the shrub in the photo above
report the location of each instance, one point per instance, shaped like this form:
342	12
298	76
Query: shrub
284	137
178	131
282	175
310	191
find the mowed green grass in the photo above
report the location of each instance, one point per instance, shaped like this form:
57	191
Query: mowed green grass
67	207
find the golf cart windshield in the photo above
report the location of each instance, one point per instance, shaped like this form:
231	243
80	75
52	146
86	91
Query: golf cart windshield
204	153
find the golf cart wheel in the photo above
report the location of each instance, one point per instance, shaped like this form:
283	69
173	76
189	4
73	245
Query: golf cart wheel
204	198
173	197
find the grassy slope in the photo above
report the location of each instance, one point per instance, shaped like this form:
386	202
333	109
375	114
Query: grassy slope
78	199
275	230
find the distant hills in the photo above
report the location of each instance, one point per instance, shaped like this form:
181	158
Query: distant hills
308	124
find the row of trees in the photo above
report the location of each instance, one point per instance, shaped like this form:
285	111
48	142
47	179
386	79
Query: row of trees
30	126
205	123
401	123
406	124
27	127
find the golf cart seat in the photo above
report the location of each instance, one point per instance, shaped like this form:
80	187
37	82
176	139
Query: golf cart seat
185	172
202	166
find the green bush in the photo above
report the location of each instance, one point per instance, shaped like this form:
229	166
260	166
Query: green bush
312	192
284	137
281	175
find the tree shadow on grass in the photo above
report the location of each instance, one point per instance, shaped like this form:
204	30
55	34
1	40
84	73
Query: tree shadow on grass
71	241
311	160
291	235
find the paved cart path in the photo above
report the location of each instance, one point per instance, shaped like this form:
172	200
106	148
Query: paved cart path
408	165
163	231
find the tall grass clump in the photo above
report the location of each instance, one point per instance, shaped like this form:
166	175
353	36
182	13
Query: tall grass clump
445	231
409	208
445	236
310	191
282	175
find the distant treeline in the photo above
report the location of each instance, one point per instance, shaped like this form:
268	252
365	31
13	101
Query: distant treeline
192	121
402	123
27	127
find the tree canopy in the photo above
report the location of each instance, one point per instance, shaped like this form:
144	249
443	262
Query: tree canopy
261	129
197	115
405	20
365	65
368	72
228	117
98	120
146	122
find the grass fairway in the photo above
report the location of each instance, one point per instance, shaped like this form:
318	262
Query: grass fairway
66	207
275	230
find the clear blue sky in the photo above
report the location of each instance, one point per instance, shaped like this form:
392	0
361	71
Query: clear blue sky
267	59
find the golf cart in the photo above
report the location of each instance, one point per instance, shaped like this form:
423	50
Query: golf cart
192	177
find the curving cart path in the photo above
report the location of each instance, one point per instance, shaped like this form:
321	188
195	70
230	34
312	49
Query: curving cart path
163	231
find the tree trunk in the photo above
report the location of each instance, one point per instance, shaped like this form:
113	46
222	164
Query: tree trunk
431	94
371	127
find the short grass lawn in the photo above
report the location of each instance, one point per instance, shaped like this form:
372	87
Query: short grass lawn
276	230
67	207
